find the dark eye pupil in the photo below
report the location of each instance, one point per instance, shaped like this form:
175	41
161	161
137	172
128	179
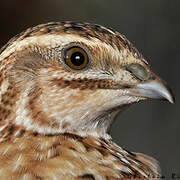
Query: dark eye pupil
77	58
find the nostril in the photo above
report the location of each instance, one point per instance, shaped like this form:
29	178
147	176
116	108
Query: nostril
138	71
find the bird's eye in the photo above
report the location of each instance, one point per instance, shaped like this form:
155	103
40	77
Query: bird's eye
76	58
139	71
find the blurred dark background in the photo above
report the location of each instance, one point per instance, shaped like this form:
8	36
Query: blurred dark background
151	127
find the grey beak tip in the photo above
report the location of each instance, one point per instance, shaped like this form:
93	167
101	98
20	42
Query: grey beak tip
156	89
167	93
172	99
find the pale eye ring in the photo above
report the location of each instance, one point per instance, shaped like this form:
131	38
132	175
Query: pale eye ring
138	71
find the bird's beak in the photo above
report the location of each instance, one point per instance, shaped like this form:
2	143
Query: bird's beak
154	89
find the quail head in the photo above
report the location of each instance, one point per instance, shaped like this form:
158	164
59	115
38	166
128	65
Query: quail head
62	85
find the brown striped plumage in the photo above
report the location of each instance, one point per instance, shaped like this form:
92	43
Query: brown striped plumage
54	120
